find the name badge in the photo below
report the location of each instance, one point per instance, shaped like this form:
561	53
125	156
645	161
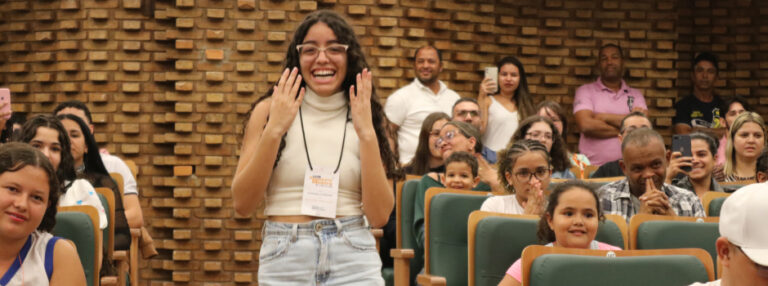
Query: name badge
321	192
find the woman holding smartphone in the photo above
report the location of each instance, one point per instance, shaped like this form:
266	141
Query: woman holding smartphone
315	154
504	103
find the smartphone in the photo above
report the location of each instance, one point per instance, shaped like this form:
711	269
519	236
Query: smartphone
493	74
682	144
5	97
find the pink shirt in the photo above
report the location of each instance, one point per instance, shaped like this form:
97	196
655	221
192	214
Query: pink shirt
600	99
516	270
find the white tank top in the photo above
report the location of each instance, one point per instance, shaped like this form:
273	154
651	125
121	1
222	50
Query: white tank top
36	262
502	124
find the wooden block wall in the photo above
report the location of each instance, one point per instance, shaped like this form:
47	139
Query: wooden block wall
170	91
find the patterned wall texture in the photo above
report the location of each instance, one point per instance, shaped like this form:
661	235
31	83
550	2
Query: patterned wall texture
169	81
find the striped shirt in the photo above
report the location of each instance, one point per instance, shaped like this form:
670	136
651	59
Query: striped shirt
615	198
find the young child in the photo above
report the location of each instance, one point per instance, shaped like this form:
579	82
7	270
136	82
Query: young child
570	220
29	191
460	171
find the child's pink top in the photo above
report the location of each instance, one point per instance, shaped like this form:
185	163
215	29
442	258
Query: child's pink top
516	270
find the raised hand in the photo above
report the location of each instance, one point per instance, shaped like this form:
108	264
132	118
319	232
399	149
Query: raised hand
360	105
676	164
284	103
654	201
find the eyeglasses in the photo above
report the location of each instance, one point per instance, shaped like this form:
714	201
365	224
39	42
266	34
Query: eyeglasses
447	137
536	135
525	175
472	113
312	50
761	269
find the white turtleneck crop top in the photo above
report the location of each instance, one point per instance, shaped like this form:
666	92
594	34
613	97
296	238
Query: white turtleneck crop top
324	119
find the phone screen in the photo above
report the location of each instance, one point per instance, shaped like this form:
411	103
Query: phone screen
682	144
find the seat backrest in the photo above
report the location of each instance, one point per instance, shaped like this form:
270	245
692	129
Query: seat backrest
663	232
495	241
445	231
107	198
707	200
543	265
407	238
132	166
80	224
613	231
119	181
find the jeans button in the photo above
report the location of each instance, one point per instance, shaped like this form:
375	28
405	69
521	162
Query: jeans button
318	227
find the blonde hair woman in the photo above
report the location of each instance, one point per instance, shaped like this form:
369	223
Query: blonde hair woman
746	141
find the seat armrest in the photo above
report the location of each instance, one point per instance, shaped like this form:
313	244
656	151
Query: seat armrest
427	279
398	253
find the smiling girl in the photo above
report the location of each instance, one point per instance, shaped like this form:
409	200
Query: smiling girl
28	196
570	220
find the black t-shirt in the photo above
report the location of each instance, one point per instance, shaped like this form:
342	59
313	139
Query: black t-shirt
695	113
610	169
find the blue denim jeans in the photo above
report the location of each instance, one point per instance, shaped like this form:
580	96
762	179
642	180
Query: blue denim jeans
338	251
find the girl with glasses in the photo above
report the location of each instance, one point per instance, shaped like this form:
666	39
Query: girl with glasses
316	155
524	171
543	130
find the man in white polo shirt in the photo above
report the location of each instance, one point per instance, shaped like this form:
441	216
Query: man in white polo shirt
409	105
742	248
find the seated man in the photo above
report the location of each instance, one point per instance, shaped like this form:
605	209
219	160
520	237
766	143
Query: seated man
644	163
742	248
630	122
761	172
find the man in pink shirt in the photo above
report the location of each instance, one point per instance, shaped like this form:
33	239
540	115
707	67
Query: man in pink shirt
600	106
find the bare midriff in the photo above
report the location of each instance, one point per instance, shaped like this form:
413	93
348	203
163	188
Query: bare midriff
294	218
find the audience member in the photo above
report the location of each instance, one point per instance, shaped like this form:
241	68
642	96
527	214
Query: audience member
524	171
699	179
703	110
643	190
460	171
325	82
468	110
571	220
504	103
88	166
113	164
736	106
600	106
454	136
428	157
742	249
746	141
30	255
407	107
761	171
12	126
630	122
543	130
556	113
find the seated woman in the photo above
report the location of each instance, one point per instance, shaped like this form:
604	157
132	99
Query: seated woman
543	130
30	255
427	157
524	171
556	113
746	140
46	133
454	136
571	220
736	106
88	165
699	179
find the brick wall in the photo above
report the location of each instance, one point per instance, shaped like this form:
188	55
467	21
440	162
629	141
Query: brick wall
170	91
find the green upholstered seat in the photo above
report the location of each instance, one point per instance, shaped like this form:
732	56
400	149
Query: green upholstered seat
499	242
663	270
715	205
610	233
79	228
410	189
662	234
448	214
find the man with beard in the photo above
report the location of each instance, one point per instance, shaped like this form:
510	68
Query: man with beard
409	105
600	106
644	163
704	110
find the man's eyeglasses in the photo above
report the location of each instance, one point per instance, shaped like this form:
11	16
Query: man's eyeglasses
525	175
538	135
472	113
312	50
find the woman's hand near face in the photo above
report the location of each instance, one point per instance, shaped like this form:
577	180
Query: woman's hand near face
284	104
360	105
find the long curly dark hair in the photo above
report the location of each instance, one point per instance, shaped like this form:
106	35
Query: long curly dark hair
15	156
355	64
65	171
558	153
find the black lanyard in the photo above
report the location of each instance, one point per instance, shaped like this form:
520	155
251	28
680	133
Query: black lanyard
343	140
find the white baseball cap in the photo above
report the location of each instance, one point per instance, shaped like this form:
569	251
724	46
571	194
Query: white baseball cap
744	221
